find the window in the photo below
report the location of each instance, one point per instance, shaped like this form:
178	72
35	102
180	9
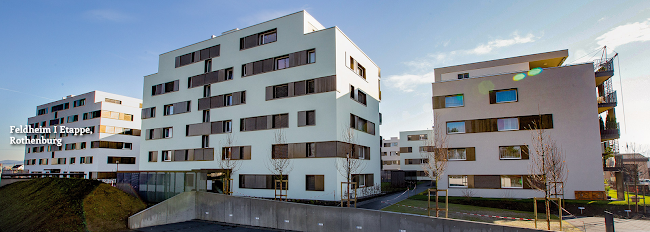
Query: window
510	152
42	111
463	75
227	126
151	133
115	101
352	92
310	86
72	160
281	91
206	91
281	62
82	160
311	56
163	88
120	160
205	141
79	102
361	71
268	37
153	156
508	124
454	101
229	74
73	118
504	96
457	154
206	115
307	118
166	155
363	180
208	66
83	145
168	109
167	132
311	150
148	113
417	137
227	100
456	181
455	127
315	183
262	181
512	182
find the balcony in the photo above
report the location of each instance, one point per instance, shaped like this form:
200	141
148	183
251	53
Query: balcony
611	131
604	69
607	102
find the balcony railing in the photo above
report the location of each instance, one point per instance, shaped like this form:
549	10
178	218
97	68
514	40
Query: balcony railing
611	131
609	98
603	65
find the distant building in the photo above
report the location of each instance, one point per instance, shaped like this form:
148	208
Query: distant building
115	121
488	107
390	159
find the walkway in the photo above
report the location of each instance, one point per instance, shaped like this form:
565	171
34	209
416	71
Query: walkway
201	226
390	199
597	224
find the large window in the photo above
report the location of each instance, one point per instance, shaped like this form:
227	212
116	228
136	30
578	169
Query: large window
268	37
167	155
455	127
456	181
281	63
311	55
167	132
315	183
512	182
457	154
507	124
503	96
454	101
280	91
169	109
510	152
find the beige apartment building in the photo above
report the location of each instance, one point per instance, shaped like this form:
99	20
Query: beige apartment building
488	108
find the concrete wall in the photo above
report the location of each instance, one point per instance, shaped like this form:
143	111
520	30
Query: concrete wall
294	216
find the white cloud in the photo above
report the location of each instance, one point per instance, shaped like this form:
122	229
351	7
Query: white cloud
108	15
624	34
499	43
408	82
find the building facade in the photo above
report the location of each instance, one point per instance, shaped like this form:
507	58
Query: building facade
488	109
114	143
226	100
390	159
410	145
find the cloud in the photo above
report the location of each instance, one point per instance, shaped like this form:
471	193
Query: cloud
624	34
499	43
408	82
108	15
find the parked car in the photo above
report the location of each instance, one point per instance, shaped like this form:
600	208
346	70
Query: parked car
644	182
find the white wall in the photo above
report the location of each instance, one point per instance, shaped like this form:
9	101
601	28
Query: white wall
487	71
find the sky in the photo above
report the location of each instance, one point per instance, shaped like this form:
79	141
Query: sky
51	49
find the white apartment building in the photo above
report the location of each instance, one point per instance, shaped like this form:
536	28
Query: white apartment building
114	121
289	74
488	108
411	143
390	154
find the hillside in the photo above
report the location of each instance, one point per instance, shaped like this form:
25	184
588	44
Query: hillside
53	204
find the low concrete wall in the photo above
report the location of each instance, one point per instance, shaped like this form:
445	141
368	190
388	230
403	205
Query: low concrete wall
298	217
7	181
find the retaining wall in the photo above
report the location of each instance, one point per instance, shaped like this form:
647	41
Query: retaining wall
298	217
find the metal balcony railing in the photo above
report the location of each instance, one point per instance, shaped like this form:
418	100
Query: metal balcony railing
608	98
611	131
602	65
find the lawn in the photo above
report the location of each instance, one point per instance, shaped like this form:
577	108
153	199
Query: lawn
612	194
456	211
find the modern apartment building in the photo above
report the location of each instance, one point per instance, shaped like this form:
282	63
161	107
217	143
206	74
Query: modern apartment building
411	143
390	154
114	143
289	75
488	108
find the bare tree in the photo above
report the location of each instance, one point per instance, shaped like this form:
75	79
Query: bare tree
434	153
279	163
348	165
226	162
633	172
547	171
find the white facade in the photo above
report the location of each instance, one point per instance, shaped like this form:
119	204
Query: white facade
332	106
410	155
116	122
477	120
390	159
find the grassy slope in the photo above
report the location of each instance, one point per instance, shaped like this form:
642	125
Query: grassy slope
52	204
108	208
47	204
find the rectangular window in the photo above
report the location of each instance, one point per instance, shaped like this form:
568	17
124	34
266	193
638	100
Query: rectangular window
206	115
73	160
361	71
153	156
455	127
315	183
42	111
454	101
206	91
457	154
79	102
227	126
463	75
310	86
503	96
508	124
227	100
83	145
167	132
512	182
281	62
417	137
510	152
281	91
166	155
113	101
120	160
208	66
311	56
229	74
168	109
205	141
268	37
457	181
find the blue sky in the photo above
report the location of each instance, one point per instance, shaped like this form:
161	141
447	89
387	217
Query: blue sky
50	49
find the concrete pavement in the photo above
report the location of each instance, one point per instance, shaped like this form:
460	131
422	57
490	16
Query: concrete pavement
390	199
597	224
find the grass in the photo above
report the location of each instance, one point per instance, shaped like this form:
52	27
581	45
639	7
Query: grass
454	210
612	193
53	204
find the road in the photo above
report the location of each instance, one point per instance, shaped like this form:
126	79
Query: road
387	200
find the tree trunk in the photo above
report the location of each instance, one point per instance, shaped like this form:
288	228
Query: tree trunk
548	214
